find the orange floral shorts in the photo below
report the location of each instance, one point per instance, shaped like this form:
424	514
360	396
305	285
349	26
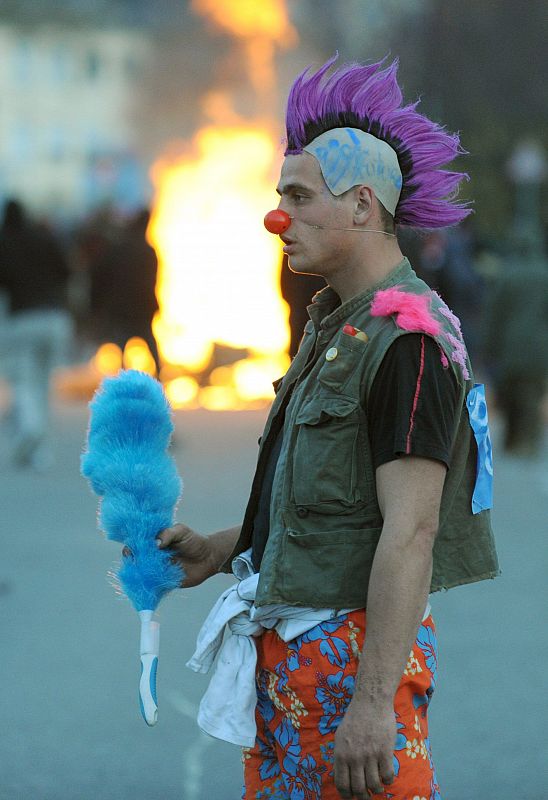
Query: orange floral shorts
303	689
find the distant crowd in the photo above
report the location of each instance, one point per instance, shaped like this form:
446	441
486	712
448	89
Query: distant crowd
59	299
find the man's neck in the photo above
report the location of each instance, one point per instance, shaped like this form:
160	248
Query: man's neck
365	270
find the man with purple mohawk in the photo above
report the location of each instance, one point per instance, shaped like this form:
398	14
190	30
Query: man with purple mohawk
374	477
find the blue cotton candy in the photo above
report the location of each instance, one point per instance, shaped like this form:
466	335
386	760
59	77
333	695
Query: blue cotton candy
129	468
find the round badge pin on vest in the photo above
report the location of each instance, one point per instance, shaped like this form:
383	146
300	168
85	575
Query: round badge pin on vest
331	354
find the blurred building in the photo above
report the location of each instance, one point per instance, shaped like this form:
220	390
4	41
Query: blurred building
68	95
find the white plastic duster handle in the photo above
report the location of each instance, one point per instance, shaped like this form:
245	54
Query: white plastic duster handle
149	650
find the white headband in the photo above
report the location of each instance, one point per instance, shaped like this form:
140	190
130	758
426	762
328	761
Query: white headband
351	157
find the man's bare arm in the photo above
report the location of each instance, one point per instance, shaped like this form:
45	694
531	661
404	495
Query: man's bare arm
409	492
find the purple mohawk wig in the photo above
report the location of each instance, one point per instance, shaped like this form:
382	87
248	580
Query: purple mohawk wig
369	97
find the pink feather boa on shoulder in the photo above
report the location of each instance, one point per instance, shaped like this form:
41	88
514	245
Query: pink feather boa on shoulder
412	311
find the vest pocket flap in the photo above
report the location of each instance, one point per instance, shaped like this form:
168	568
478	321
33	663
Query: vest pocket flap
329	567
342	539
320	409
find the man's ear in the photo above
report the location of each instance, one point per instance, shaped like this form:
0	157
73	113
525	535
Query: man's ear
364	204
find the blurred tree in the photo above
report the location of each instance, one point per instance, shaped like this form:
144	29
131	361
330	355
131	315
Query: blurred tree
358	30
483	70
480	67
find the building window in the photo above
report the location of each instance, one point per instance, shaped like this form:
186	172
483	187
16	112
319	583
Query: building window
131	67
22	61
60	64
20	142
92	145
57	144
92	64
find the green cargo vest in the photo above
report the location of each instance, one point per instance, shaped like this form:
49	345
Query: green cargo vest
325	520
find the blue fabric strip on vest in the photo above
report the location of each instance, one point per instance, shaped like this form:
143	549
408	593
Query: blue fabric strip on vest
477	412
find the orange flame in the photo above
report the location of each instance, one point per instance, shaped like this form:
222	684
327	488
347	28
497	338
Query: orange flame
81	381
249	19
218	283
109	358
218	278
218	267
260	25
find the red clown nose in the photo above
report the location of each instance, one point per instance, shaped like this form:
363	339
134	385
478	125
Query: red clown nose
277	221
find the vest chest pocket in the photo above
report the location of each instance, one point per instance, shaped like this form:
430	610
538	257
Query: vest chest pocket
341	361
327	473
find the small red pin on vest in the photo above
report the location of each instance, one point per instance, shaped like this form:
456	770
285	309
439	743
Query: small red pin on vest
352	331
277	221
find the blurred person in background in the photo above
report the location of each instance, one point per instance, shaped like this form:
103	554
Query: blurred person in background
90	240
516	345
445	261
123	287
34	275
369	492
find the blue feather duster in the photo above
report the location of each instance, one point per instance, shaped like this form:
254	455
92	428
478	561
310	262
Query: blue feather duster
128	466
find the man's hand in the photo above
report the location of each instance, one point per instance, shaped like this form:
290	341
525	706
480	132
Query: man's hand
192	551
364	749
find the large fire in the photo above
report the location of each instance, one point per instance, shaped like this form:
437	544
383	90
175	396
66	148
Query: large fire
218	267
218	286
221	329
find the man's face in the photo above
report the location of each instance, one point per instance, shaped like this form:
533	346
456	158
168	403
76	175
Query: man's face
304	195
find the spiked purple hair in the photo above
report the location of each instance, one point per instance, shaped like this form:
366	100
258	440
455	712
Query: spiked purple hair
369	97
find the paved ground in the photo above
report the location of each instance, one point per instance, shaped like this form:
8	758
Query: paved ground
71	728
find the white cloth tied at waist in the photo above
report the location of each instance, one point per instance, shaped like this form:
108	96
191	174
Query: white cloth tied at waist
227	709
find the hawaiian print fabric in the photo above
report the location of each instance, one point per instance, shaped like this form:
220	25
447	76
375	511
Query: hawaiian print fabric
303	689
